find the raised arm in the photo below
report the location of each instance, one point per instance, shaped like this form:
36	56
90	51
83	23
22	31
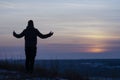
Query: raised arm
43	36
18	35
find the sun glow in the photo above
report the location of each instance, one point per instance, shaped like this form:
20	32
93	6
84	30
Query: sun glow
96	36
96	50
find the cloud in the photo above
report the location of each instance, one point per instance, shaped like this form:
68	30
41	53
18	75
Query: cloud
79	25
38	6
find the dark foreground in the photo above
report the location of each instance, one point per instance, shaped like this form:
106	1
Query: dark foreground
97	69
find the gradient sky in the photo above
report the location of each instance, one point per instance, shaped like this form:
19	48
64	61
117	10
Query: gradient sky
82	28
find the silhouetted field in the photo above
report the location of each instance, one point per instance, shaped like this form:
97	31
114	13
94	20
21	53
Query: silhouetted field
107	69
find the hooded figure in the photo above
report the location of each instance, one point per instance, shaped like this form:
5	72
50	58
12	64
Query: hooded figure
30	35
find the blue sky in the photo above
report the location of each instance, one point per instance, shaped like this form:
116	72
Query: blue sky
82	28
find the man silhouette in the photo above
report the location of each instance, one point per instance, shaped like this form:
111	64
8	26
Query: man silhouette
30	35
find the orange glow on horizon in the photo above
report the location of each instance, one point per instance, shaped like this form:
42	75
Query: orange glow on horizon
96	50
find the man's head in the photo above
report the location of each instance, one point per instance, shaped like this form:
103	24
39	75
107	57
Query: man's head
30	24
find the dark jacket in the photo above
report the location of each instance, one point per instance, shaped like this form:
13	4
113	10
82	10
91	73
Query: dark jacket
30	35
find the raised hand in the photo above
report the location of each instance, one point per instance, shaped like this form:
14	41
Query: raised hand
50	33
14	33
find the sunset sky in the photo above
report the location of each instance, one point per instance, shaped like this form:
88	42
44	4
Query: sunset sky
82	29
